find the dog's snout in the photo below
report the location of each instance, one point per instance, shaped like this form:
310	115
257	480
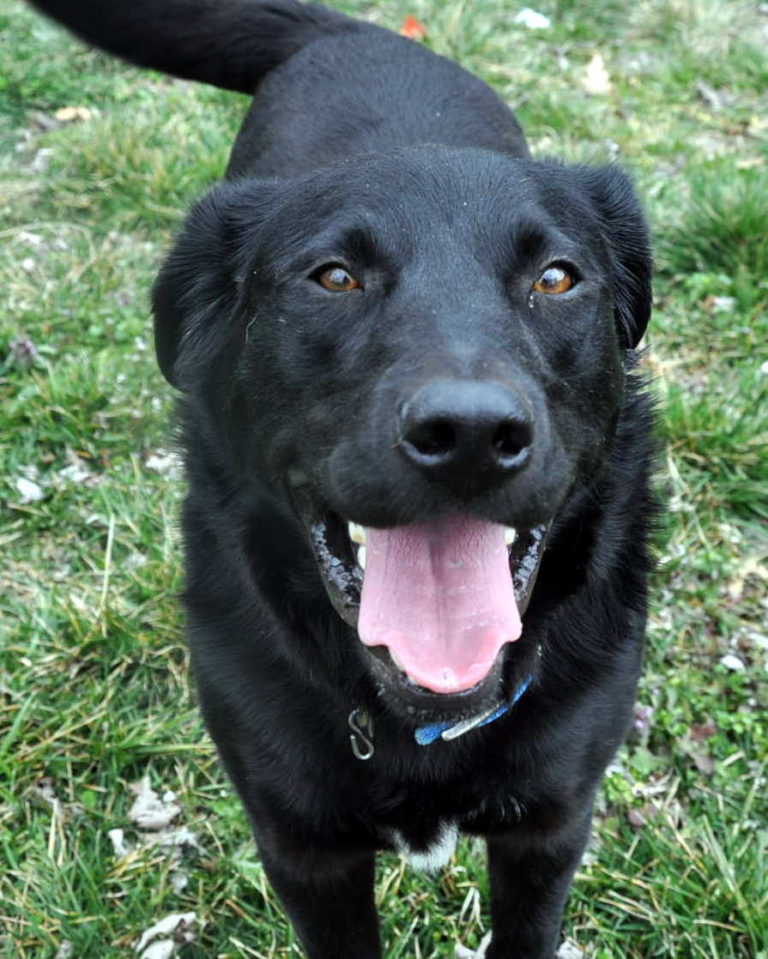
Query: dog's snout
470	433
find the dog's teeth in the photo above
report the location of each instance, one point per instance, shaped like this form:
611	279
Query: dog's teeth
357	533
361	557
396	660
510	535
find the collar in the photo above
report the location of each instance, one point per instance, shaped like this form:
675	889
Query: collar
428	734
361	725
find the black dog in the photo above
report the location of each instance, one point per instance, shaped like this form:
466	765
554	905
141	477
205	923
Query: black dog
393	332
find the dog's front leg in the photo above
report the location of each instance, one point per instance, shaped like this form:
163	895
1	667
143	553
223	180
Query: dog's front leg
328	897
529	886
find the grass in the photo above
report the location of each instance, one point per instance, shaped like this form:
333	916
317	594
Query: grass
93	672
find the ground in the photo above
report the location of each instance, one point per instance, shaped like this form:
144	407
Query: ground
98	162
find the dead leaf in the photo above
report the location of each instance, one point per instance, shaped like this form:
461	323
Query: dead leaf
76	472
733	663
706	730
119	845
179	882
719	304
751	567
22	351
569	950
463	953
149	811
413	29
29	491
597	80
165	463
44	790
709	95
182	839
161	949
73	114
703	762
41	160
532	19
693	745
180	926
42	121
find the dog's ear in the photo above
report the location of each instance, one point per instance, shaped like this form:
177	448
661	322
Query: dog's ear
626	236
196	293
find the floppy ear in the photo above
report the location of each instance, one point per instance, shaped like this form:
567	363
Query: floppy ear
625	234
196	293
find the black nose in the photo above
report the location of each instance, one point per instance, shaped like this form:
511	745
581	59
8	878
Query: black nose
468	434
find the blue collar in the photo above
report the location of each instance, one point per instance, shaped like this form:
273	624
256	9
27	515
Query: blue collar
425	735
361	725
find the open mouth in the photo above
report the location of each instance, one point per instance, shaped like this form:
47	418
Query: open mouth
435	602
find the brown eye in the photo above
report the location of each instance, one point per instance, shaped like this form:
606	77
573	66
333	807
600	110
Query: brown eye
555	279
336	279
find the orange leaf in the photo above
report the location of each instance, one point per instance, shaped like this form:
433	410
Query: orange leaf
413	29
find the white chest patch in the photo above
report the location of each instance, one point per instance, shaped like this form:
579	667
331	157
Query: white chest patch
436	855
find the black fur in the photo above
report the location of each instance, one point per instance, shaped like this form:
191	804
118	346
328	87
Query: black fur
366	149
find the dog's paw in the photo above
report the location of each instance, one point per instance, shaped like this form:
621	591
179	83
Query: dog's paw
463	953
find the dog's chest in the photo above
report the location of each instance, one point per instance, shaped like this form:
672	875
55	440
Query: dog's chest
423	823
426	850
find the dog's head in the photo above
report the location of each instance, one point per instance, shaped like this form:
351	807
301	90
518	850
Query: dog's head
420	356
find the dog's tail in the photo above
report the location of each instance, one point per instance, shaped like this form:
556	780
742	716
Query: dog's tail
227	43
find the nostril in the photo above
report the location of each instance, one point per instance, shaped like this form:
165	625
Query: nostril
472	434
510	439
433	438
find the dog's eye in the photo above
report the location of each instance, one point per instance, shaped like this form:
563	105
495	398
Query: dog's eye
336	279
555	279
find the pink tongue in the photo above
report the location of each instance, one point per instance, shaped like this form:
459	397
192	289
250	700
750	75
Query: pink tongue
440	596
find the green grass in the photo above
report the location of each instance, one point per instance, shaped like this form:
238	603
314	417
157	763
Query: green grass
93	672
